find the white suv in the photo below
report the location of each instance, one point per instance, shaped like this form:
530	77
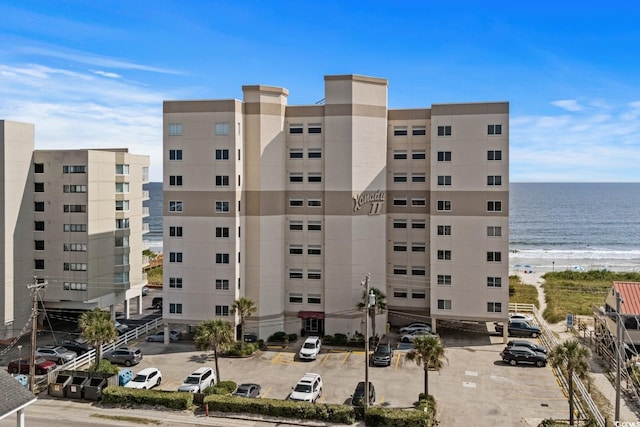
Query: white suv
308	389
310	348
199	380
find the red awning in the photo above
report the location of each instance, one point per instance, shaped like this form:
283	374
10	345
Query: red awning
311	314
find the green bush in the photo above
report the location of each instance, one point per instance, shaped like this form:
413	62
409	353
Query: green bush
330	413
341	337
328	339
104	366
239	350
131	396
224	387
292	337
278	337
388	417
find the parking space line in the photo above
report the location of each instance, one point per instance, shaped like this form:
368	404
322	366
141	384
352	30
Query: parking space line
263	395
346	356
398	357
324	359
381	400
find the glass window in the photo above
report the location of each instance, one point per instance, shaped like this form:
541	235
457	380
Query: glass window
175	308
39	225
399	246
175	256
494	282
39	206
418	155
296	153
175	282
418	223
39	245
121	187
175	154
121	205
222	231
400	154
494	256
122	169
399	223
295	249
418	294
494	206
222	154
175	231
419	130
175	180
399	131
222	206
175	206
314	203
222	180
444	130
314	226
295	273
175	129
296	177
295	225
399	202
444	205
444	304
399	177
444	156
444	279
222	129
314	299
494	231
295	298
444	230
315	128
296	203
444	255
38	187
444	180
399	293
494	307
222	258
418	247
494	180
314	250
38	167
400	269
418	202
315	153
77	169
418	271
314	274
296	128
314	177
494	155
494	129
222	284
418	177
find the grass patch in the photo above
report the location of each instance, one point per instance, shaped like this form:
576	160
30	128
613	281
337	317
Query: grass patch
521	293
136	420
154	275
576	291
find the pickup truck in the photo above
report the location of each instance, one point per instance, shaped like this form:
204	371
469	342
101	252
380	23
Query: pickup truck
519	328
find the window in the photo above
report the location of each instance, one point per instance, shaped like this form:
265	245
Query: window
222	231
296	203
315	153
494	307
417	271
314	274
175	308
38	187
494	180
399	293
296	128
82	208
314	203
122	169
418	223
314	299
39	264
399	202
314	250
222	180
175	231
222	129
222	154
121	259
418	177
400	155
418	202
399	246
418	155
38	225
72	286
79	188
444	279
295	298
494	231
494	129
75	169
222	206
175	129
295	273
295	225
121	187
444	130
314	226
419	130
296	153
444	304
400	269
175	282
444	156
444	230
399	131
314	177
177	154
494	256
74	247
222	258
175	206
38	168
418	294
175	256
77	228
494	282
39	206
38	245
175	180
444	179
315	128
121	205
222	284
399	223
494	206
444	255
296	177
399	177
295	250
494	155
418	247
121	242
74	266
444	205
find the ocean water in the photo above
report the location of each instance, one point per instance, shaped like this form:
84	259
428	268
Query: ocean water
553	226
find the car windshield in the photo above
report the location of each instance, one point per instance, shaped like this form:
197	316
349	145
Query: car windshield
243	390
303	388
192	380
37	362
383	350
309	345
140	378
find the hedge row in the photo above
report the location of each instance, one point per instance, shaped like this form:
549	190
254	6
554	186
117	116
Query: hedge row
389	417
132	396
331	413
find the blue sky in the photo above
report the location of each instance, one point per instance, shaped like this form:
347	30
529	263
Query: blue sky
95	73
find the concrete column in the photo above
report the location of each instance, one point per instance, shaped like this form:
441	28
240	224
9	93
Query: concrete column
505	331
434	328
126	308
139	299
112	311
20	418
166	334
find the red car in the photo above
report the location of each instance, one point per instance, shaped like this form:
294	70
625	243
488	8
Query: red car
43	366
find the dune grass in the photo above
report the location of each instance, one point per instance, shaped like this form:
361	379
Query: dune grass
521	293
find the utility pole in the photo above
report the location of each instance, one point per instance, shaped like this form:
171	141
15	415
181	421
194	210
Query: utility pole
369	300
35	291
620	350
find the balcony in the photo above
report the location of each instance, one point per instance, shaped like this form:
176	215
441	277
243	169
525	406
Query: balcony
145	195
145	211
145	228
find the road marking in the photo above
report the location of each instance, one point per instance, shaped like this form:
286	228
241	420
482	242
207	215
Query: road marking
324	359
381	400
398	357
346	356
468	384
265	393
471	373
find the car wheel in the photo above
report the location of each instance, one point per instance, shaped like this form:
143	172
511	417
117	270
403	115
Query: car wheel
127	363
540	364
513	362
159	381
405	340
534	335
14	370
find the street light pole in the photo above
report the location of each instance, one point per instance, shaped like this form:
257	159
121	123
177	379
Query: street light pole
365	284
619	355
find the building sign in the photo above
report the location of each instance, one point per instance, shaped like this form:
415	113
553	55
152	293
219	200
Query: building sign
376	199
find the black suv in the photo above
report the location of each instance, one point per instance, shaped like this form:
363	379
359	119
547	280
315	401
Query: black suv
358	395
514	355
79	346
382	355
528	344
157	303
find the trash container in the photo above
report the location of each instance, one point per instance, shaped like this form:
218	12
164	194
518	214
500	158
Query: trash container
74	388
93	388
124	376
56	389
22	379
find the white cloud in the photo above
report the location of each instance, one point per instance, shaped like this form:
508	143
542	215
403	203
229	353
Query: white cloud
106	74
568	104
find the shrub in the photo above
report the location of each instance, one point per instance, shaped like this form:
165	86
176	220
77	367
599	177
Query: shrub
104	366
238	350
292	337
328	339
278	337
224	387
127	396
388	417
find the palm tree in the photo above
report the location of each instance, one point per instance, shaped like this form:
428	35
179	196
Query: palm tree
427	351
244	307
214	335
97	328
573	357
379	307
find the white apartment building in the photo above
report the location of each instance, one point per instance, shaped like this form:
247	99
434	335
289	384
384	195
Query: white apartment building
292	206
72	219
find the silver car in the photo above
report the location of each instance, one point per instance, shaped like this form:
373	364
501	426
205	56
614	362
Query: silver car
57	354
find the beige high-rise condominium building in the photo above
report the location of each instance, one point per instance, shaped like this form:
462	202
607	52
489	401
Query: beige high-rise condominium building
292	206
72	219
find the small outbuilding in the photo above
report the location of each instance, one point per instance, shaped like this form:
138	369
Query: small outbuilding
14	398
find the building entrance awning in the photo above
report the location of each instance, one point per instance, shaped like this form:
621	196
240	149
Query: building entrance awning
311	314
